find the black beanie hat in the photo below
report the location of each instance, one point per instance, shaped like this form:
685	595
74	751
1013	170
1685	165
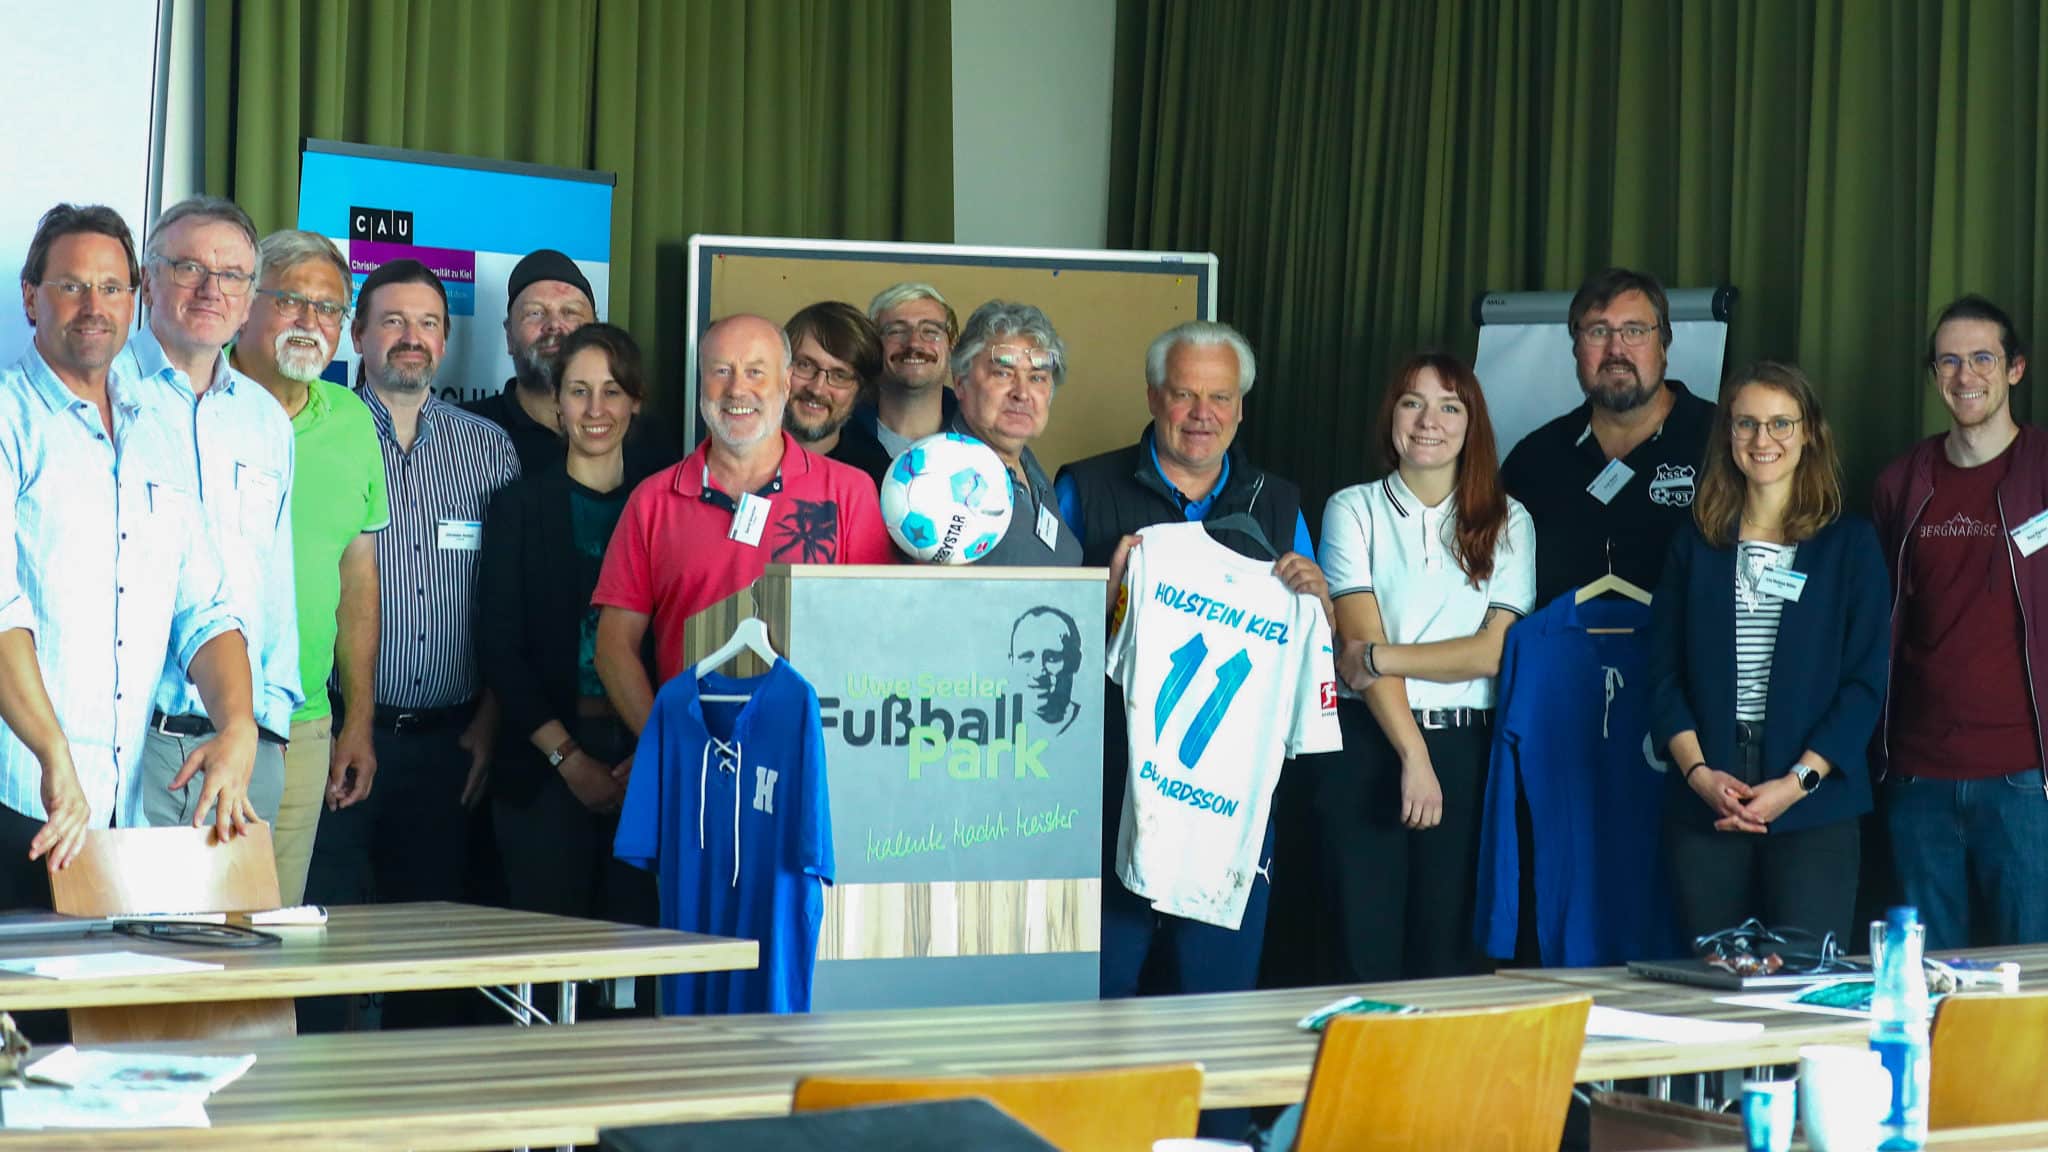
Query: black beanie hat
547	264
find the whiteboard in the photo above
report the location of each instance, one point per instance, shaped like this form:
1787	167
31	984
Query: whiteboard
86	127
1526	368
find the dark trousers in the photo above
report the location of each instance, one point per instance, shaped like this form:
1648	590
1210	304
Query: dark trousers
1804	879
24	883
1972	856
407	841
1151	953
1399	902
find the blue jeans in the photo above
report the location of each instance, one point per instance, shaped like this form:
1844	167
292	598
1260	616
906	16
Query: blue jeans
1979	846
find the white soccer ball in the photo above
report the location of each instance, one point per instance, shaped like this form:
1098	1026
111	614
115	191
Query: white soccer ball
946	500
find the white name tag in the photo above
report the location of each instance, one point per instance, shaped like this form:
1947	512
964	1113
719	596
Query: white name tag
1048	526
1612	479
460	535
749	520
2033	534
1783	583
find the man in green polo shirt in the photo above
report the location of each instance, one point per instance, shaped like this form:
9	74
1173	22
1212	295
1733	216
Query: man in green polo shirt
338	501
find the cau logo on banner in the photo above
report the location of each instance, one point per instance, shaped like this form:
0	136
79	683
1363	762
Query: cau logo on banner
383	225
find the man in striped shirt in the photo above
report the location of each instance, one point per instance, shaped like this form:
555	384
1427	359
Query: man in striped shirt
408	840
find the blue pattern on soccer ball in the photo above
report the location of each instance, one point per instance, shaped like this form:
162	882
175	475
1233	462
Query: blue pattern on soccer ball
970	488
980	547
918	530
910	465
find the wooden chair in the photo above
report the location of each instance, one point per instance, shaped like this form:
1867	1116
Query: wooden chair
129	870
1495	1078
1988	1060
1104	1110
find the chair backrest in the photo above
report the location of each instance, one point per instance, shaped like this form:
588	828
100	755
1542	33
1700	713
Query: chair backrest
1104	1110
1988	1060
1496	1078
127	870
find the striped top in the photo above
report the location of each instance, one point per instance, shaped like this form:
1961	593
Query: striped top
1757	613
427	557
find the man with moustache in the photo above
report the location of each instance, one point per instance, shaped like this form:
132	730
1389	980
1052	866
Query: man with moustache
1007	365
701	530
337	507
198	269
548	297
1961	519
914	401
836	359
1608	482
111	567
433	725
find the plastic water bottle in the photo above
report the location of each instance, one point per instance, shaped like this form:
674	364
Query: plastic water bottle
1898	1030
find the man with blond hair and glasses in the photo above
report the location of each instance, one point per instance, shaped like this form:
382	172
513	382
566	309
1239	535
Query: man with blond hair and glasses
915	399
338	506
1962	517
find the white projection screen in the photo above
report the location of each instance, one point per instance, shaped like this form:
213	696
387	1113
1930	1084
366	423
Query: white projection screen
85	77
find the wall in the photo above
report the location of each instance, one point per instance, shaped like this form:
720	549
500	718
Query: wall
1031	111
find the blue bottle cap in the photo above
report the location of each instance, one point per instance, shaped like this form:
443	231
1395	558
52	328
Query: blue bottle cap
1901	916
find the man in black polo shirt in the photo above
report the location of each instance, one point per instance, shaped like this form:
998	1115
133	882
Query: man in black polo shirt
1615	476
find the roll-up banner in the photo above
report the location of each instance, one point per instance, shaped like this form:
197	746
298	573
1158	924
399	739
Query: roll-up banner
1526	367
470	221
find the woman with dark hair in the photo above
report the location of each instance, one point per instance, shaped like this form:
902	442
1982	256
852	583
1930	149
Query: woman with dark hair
563	754
1768	670
1428	566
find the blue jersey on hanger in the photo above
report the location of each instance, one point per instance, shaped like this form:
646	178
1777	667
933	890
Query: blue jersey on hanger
728	802
1572	736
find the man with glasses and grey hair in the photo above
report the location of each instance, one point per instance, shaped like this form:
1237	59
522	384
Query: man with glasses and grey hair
1608	482
914	401
1006	366
199	268
338	506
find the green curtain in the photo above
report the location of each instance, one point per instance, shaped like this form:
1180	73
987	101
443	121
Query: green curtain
1365	168
763	117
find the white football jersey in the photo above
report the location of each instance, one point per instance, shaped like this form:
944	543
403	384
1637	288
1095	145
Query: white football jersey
1225	674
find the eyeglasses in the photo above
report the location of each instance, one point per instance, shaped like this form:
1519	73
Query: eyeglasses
1631	335
926	332
74	289
806	369
1780	427
297	307
1981	363
192	274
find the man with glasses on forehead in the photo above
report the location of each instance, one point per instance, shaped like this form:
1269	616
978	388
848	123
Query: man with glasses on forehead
1963	517
914	401
198	270
1007	366
836	359
338	505
109	567
1607	482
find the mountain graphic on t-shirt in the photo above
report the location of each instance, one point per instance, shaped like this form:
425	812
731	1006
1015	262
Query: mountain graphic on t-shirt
1960	524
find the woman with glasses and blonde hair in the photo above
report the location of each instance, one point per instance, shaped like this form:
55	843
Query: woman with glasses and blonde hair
1768	669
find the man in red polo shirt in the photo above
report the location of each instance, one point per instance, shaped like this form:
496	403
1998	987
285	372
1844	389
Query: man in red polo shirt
748	497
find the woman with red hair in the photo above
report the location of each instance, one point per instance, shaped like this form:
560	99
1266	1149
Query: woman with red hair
1428	566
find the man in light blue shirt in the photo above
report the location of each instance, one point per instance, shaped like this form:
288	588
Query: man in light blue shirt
105	566
197	271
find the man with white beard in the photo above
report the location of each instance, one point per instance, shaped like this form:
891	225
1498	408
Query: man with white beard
338	505
748	497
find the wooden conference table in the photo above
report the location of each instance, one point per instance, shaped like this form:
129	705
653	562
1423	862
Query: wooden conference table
383	948
489	1088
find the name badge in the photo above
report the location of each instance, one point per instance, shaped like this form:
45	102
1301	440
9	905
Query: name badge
460	535
2033	534
1048	526
1611	480
749	520
1783	583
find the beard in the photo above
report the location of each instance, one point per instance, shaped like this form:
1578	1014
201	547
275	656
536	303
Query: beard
535	368
302	364
402	379
769	423
1617	395
812	433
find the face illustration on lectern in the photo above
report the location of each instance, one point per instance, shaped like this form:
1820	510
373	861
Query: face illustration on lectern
1045	650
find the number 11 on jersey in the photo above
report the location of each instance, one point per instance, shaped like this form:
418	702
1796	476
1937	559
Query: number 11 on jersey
1187	660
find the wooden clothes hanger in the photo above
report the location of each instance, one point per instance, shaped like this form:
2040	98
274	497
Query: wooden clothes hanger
750	636
1610	583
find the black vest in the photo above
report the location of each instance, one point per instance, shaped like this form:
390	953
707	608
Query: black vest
1122	491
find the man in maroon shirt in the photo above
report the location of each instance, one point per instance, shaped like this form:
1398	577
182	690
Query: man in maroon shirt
1964	520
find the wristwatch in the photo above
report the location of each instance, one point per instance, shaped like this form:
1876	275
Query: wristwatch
562	752
1808	776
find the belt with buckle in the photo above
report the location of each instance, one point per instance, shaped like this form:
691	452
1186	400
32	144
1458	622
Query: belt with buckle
389	718
1749	732
190	725
1436	718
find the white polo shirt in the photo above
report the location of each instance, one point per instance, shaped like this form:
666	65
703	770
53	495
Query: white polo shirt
1380	538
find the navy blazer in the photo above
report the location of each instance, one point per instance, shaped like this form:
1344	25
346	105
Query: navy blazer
1827	670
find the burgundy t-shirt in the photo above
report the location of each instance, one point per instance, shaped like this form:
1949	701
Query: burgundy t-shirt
1960	708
